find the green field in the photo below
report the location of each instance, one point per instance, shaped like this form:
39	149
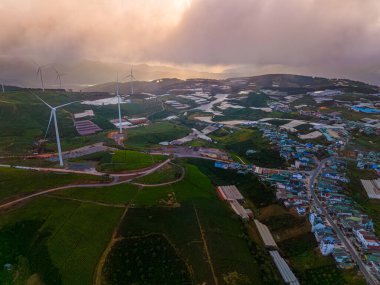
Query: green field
257	192
167	173
349	114
117	194
123	160
23	121
239	142
155	133
179	225
59	241
14	182
365	142
256	100
145	260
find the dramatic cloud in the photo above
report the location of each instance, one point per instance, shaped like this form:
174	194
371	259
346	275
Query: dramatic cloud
327	37
97	29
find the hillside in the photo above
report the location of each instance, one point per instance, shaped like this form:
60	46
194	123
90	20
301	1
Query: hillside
292	84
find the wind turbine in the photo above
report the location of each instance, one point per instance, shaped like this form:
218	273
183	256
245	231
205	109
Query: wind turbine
59	77
2	87
131	78
39	73
118	102
53	115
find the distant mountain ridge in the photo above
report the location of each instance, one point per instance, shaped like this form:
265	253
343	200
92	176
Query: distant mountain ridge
85	73
98	76
290	83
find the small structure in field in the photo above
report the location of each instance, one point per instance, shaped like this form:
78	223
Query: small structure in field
86	127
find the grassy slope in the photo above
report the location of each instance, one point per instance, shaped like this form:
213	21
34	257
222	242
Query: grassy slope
130	160
220	224
180	226
167	173
23	120
78	233
119	194
240	141
155	133
14	182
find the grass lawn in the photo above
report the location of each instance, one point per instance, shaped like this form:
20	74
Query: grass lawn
123	160
60	241
14	182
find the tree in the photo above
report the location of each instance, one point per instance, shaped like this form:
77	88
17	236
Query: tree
235	278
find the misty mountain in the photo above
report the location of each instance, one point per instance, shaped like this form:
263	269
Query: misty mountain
85	73
292	84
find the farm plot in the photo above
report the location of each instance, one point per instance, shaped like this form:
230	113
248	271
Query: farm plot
145	260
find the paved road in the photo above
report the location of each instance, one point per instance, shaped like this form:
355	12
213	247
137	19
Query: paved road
91	172
363	268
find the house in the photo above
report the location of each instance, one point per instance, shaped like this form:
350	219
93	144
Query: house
366	239
342	258
301	211
323	232
327	245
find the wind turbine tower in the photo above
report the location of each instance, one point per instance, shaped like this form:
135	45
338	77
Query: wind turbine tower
118	103
2	87
39	73
131	78
53	115
59	77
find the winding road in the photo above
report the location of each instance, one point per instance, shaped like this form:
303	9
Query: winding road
363	268
127	178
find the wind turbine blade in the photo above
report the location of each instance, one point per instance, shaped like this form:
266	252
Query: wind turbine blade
38	72
47	129
34	62
39	98
67	104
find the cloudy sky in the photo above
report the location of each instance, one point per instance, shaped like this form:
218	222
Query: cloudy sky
336	38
